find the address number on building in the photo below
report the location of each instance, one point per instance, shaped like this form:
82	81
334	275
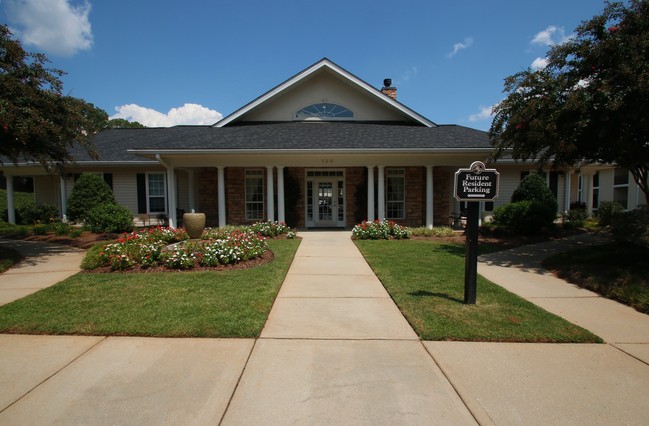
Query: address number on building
477	183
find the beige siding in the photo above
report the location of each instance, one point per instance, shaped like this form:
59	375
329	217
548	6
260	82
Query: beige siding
47	190
125	189
328	88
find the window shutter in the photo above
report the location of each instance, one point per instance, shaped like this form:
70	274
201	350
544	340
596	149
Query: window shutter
554	183
141	193
108	178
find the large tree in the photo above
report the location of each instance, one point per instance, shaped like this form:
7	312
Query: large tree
590	104
37	122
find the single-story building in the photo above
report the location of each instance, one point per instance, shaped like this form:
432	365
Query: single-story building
322	149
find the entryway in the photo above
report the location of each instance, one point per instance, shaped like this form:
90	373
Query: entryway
325	198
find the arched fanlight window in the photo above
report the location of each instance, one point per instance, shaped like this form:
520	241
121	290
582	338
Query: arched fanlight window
323	111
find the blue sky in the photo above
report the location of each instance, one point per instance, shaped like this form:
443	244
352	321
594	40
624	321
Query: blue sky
189	62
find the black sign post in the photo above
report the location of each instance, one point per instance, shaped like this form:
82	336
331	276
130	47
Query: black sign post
473	185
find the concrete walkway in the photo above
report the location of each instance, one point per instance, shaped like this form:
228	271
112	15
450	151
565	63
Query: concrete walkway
44	265
336	349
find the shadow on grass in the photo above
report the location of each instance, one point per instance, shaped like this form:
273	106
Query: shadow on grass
425	293
452	249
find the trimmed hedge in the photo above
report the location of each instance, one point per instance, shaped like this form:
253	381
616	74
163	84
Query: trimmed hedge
112	218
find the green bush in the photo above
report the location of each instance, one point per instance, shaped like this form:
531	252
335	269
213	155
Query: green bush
93	258
89	191
533	187
532	209
607	211
437	231
110	218
31	214
380	230
62	228
632	227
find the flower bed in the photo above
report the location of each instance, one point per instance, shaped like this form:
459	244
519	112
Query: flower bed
380	230
170	248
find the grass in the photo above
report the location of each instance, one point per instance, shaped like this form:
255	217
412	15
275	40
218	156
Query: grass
616	271
426	280
232	303
8	258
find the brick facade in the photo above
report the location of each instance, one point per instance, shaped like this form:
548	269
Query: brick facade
295	194
207	183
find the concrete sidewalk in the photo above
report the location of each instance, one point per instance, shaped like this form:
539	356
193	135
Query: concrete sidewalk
44	265
335	349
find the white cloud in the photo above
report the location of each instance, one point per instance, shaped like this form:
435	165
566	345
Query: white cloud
550	36
186	114
539	64
460	46
483	114
54	26
412	72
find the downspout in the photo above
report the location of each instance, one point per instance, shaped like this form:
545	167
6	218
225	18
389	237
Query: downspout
171	191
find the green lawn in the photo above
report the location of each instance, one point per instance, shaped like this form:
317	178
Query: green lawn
617	271
426	280
205	304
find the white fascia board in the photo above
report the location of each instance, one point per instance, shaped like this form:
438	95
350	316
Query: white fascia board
312	69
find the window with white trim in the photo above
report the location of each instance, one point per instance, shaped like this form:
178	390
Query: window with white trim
621	187
254	194
395	195
156	193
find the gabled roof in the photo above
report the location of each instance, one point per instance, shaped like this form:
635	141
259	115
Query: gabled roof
310	71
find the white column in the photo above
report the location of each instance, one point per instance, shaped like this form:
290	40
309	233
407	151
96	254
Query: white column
270	202
381	192
221	196
171	195
64	198
11	206
566	192
589	194
192	190
370	193
429	197
281	214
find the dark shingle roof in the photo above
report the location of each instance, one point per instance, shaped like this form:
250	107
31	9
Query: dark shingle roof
113	145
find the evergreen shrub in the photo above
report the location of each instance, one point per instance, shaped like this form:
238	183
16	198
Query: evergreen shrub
112	218
89	191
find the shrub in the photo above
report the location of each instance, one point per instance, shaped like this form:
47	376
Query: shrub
533	187
109	218
437	231
380	230
522	217
632	227
533	207
40	229
607	211
62	228
89	191
576	216
31	214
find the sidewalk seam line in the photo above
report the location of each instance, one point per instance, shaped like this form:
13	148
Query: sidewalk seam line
628	353
457	392
234	391
54	373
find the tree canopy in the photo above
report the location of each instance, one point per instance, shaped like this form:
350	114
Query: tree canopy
589	104
37	122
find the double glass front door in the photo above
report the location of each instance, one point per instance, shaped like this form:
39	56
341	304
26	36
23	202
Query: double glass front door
325	200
